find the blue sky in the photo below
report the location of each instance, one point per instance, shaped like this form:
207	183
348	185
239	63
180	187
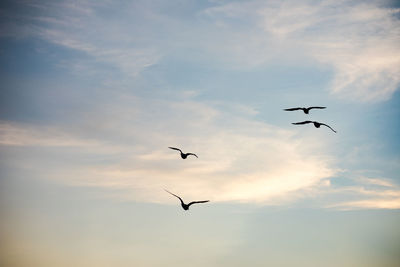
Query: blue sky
93	93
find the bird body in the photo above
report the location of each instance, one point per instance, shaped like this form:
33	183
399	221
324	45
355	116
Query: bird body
183	155
316	124
305	110
183	204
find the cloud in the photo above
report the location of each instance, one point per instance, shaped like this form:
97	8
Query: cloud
358	40
80	27
124	149
376	181
378	203
240	159
367	193
14	134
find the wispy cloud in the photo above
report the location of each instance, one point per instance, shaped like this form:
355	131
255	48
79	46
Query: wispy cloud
366	193
240	159
358	40
376	181
79	27
377	203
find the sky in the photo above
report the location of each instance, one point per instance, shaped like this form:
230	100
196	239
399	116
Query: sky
94	92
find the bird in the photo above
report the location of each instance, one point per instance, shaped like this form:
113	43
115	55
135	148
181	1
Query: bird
183	204
183	155
316	124
306	110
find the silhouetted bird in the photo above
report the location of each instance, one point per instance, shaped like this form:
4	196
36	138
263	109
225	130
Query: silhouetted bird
316	124
186	206
306	110
183	155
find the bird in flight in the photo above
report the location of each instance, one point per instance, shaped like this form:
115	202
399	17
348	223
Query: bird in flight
306	110
186	206
316	124
183	155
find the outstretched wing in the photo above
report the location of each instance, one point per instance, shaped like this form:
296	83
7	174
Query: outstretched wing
316	107
328	126
302	122
291	109
175	196
174	148
192	154
196	202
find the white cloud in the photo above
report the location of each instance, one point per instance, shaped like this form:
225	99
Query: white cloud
78	26
131	61
376	181
240	159
358	40
14	134
379	203
366	193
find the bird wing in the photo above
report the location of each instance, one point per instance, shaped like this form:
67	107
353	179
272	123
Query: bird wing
174	148
291	109
196	202
316	107
192	154
302	122
175	196
328	126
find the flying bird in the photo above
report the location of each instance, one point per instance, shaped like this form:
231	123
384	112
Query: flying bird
186	206
316	124
306	110
183	155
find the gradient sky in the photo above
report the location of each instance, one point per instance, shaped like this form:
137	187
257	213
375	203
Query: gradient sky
94	92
